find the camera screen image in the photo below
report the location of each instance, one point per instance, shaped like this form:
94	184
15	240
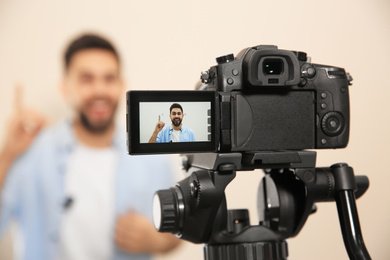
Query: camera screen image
174	122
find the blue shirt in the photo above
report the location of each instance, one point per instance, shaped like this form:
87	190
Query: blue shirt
164	136
33	193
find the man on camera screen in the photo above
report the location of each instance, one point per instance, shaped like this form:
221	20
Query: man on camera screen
175	132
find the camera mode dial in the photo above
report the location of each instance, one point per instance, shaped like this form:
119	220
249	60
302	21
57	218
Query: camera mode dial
333	123
225	59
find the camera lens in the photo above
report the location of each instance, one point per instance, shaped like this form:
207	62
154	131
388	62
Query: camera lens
273	66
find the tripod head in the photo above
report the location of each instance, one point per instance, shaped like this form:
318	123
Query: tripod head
195	210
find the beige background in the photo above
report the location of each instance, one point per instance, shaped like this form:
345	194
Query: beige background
165	45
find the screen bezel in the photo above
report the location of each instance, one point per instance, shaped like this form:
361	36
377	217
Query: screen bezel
134	98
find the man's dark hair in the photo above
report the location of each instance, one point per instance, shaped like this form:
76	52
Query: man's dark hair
88	41
175	105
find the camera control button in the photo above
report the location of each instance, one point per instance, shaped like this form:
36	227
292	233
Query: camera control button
230	81
333	123
235	72
205	77
323	95
308	71
311	71
303	82
323	105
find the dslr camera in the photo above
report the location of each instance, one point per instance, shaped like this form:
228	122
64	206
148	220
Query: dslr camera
262	100
259	110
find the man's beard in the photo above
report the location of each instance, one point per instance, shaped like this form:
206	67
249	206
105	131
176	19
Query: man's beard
176	123
94	128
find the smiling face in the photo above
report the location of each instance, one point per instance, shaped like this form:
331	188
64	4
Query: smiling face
176	116
93	86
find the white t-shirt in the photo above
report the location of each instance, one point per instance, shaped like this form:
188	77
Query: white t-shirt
175	137
86	230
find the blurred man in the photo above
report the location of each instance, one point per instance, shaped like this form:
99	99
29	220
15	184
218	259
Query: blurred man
175	132
72	188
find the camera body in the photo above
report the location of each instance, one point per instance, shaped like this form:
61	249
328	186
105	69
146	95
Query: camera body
273	99
265	99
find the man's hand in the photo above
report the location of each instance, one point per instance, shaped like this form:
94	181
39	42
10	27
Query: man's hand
22	128
160	125
135	234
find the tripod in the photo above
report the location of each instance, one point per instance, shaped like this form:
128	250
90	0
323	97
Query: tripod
196	210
